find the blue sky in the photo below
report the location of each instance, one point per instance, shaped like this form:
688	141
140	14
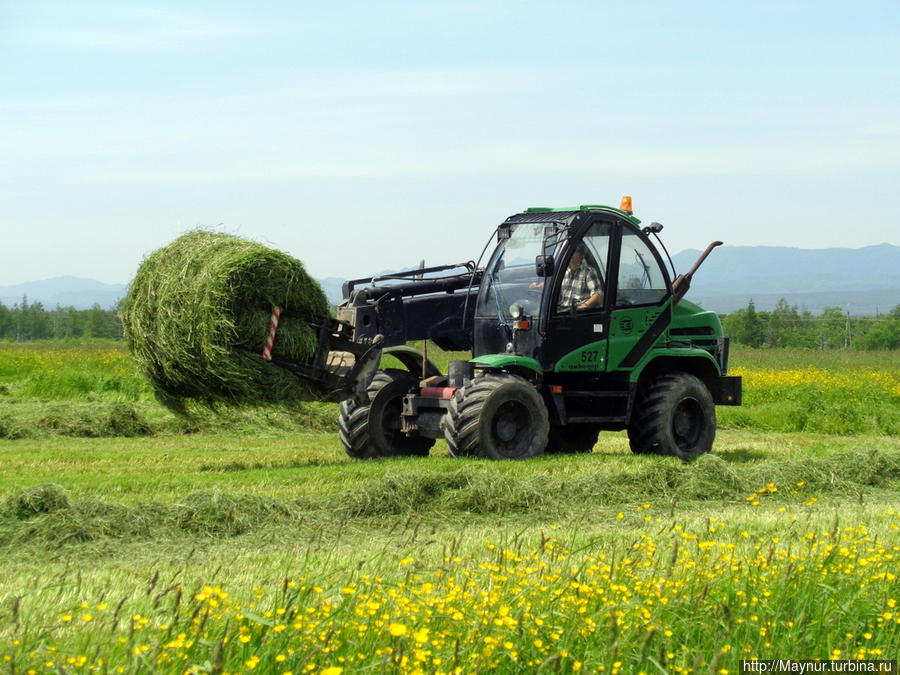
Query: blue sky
365	136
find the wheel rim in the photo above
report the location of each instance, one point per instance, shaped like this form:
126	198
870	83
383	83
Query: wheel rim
389	424
384	419
385	425
510	427
687	424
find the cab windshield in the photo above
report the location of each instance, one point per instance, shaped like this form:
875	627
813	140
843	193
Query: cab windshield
512	277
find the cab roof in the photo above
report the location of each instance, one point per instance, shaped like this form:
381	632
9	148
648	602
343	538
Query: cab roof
565	212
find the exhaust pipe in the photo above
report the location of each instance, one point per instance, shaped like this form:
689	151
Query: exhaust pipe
683	281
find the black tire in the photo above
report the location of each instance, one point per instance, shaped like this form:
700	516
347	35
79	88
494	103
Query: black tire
674	415
571	439
353	429
373	430
497	417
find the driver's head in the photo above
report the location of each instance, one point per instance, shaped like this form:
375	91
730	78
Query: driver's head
577	258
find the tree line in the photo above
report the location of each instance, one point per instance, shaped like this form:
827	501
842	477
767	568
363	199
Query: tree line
32	321
788	326
784	326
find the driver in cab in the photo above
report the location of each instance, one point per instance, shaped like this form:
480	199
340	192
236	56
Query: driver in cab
581	285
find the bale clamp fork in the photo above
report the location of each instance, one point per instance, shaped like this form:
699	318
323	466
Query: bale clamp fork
327	367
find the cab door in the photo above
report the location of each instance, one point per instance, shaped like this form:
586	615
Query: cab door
577	336
640	300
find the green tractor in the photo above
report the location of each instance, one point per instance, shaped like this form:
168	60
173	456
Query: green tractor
575	326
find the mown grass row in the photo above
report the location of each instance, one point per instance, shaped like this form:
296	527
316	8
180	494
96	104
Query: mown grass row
47	516
36	419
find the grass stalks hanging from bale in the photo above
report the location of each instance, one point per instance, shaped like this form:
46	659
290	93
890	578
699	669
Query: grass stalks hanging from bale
197	314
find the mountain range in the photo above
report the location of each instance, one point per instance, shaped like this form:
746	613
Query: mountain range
64	291
862	281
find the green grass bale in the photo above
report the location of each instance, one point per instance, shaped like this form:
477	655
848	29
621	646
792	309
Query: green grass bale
197	314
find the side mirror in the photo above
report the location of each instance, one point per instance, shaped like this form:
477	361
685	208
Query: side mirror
543	265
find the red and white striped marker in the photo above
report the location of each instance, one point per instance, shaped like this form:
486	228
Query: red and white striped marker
270	340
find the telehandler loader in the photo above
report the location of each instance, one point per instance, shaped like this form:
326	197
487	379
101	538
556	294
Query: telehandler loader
550	368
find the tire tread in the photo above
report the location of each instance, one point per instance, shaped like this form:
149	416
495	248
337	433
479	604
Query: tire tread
646	434
461	424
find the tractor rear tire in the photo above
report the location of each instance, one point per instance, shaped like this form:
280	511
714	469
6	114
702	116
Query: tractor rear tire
571	439
496	416
373	430
674	415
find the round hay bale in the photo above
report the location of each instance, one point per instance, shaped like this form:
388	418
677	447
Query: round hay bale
197	314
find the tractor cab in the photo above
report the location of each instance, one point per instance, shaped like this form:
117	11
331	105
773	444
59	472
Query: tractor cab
560	283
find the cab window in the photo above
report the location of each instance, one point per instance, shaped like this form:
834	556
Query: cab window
513	278
583	284
641	281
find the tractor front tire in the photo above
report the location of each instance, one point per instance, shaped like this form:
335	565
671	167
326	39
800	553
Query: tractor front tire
373	429
496	416
571	439
674	415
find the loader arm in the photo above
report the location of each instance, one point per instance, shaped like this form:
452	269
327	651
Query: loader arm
381	319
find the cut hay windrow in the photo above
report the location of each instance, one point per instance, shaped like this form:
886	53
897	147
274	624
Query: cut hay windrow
197	314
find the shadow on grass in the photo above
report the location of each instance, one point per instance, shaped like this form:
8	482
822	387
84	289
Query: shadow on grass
742	455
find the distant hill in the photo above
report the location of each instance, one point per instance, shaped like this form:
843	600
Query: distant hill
65	292
857	303
81	293
863	281
333	288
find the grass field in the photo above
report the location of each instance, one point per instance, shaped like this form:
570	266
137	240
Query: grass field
253	544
